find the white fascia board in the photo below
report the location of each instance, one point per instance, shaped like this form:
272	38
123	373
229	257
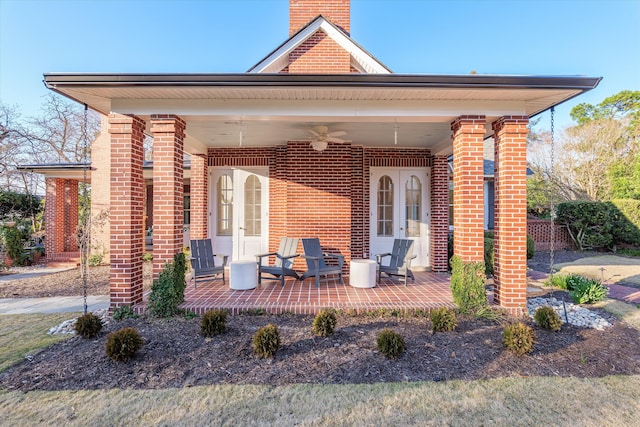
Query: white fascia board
280	58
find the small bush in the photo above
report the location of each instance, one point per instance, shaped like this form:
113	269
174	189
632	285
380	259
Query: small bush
124	312
547	318
589	291
489	256
531	247
88	325
443	320
557	281
325	323
167	291
390	343
147	257
179	270
467	285
122	345
214	322
95	260
266	341
519	338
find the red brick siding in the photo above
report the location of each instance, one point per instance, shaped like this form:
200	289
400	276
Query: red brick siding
468	194
319	54
510	266
301	12
439	214
127	209
199	197
168	188
61	217
540	230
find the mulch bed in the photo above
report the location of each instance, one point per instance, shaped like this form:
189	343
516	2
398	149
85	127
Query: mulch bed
176	355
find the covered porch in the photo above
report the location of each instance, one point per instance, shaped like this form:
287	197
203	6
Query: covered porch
428	291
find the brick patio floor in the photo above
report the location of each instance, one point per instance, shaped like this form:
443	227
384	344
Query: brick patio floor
429	290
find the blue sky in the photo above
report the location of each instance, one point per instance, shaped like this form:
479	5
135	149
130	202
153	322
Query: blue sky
596	38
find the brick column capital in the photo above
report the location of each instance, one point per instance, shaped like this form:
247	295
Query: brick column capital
125	124
167	124
513	122
469	124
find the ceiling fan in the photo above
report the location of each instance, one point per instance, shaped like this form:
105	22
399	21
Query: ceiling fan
323	137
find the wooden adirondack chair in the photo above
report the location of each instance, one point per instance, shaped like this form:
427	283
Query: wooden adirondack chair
316	265
399	260
283	265
203	260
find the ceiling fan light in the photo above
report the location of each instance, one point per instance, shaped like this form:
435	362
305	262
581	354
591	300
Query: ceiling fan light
319	145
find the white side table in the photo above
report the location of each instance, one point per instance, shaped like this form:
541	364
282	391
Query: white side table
362	273
243	275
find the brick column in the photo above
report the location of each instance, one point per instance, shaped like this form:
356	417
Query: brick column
510	265
439	213
468	191
71	215
127	209
199	196
54	217
168	188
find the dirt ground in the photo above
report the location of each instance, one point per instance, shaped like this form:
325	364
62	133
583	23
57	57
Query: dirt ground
174	353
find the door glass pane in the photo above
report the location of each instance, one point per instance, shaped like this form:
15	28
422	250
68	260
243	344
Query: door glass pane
252	206
224	206
413	205
385	206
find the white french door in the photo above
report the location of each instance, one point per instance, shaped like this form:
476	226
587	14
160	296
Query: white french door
400	209
239	206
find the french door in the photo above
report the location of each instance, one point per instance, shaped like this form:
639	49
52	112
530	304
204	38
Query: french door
239	203
400	209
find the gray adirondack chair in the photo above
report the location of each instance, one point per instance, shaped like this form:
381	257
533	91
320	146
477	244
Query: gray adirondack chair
283	265
399	260
316	265
203	260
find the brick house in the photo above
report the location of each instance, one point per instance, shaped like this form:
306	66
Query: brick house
374	168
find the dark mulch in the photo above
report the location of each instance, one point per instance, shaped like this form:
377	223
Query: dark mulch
175	355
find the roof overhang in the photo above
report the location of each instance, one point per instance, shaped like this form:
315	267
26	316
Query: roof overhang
82	172
274	108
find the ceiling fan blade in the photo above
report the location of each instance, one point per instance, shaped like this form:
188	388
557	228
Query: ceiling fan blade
337	133
336	140
316	134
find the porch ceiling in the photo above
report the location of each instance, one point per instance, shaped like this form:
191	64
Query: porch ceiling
271	109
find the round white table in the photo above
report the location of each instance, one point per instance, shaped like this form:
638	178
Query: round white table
243	275
362	273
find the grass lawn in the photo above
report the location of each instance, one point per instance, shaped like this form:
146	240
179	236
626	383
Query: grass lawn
21	334
503	402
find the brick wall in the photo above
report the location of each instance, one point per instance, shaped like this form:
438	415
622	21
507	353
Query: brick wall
468	212
127	209
510	265
439	214
100	179
540	230
301	12
319	54
199	197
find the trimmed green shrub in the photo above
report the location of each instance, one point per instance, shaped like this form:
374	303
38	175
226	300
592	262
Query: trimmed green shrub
325	323
531	247
390	343
467	285
519	338
266	341
167	291
589	291
547	318
214	322
123	344
95	260
124	312
627	221
488	255
443	320
14	240
88	326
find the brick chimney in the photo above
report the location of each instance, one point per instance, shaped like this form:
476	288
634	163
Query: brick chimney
319	53
303	11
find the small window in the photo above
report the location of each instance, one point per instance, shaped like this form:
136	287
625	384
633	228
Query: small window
385	206
187	209
252	206
225	206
